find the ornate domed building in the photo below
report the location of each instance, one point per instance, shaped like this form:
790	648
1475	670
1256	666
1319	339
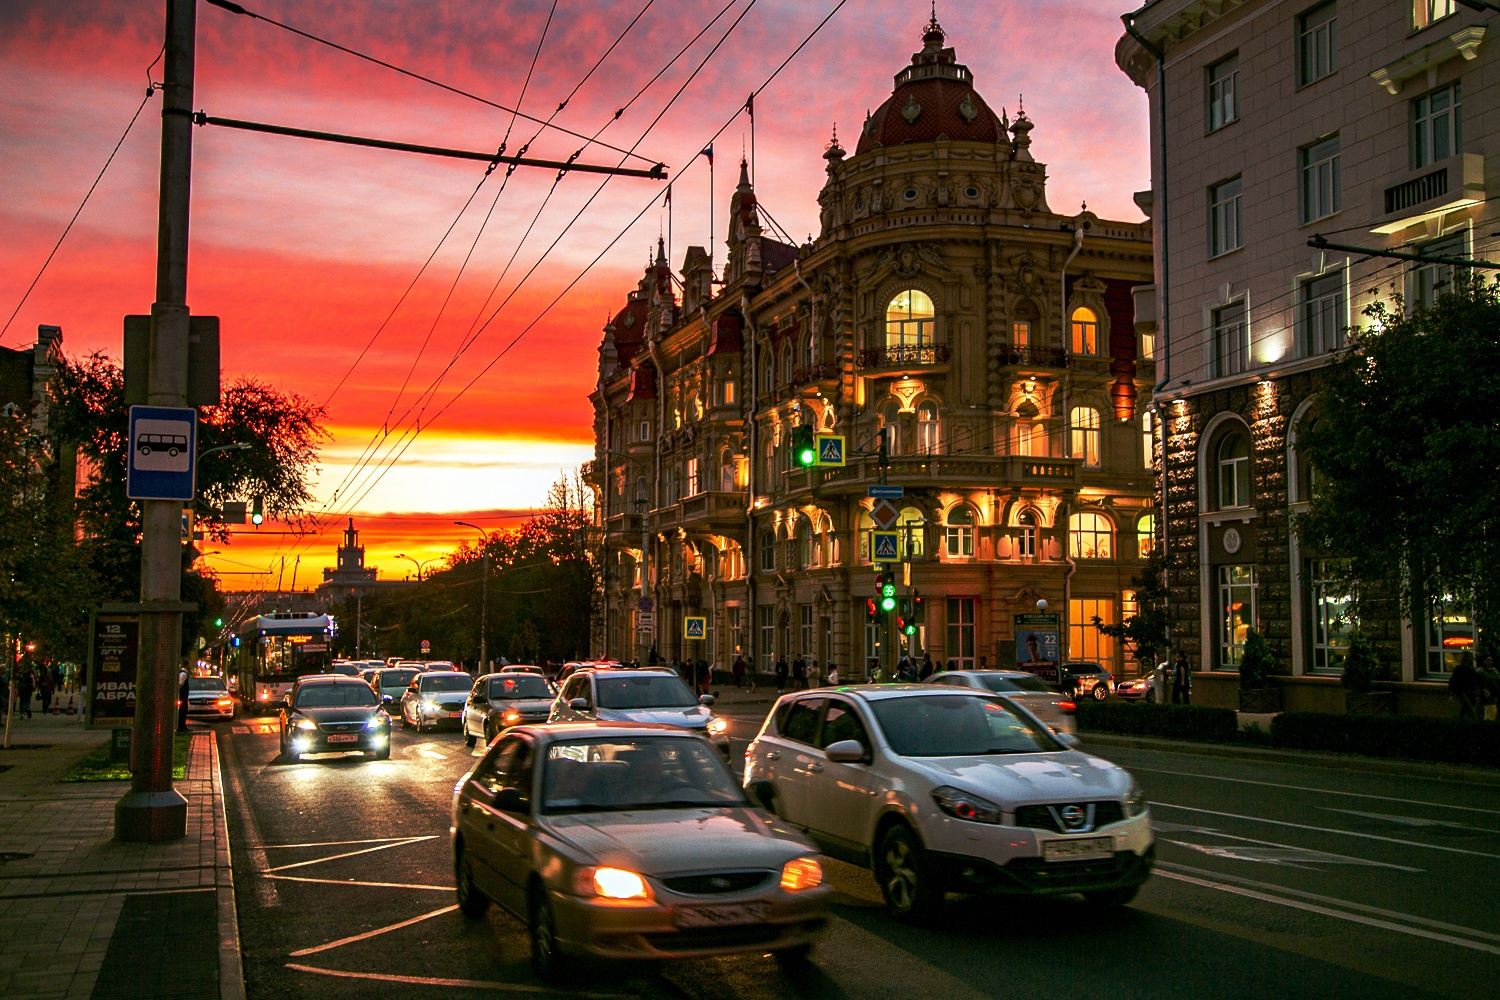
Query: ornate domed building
944	310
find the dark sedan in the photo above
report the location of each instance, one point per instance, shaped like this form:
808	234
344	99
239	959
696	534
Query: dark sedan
499	701
330	713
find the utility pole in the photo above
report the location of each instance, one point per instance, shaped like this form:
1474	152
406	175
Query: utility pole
359	621
484	594
153	810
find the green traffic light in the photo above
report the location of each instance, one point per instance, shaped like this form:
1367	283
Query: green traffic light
218	623
887	603
806	456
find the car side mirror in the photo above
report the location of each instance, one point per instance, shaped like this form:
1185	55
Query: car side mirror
511	800
845	752
579	704
705	699
1068	740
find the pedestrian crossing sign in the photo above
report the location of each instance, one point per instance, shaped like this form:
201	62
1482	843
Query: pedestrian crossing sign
885	546
830	449
694	627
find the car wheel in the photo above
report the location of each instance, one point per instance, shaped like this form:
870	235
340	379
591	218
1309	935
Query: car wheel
471	900
546	960
1100	692
794	957
489	734
384	753
470	739
1112	897
1151	696
911	894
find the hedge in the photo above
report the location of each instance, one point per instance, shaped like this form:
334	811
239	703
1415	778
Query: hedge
1413	737
1183	722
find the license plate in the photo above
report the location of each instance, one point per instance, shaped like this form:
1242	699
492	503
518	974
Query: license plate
721	916
1078	850
454	715
343	738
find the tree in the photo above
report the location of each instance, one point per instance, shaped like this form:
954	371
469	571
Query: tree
1406	454
1146	631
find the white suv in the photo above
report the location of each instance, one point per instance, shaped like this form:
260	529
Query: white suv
941	789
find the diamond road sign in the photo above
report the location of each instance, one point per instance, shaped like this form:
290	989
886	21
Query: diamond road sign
885	514
830	449
162	445
888	492
885	546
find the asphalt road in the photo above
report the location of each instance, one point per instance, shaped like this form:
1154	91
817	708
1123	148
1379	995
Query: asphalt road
1274	880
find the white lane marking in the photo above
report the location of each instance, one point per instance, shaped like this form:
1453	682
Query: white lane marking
375	933
473	984
1292	857
1414	821
1309	788
1349	904
350	854
1212	832
1329	829
1329	912
339	843
377	885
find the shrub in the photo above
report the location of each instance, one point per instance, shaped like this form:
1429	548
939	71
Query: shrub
1256	661
1360	665
1183	722
1412	737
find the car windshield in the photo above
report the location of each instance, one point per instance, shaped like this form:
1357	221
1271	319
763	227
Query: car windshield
934	726
396	678
445	682
1084	668
206	684
654	772
348	669
650	691
513	686
1034	685
335	696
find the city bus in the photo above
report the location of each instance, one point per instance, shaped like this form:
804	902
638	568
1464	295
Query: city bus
272	651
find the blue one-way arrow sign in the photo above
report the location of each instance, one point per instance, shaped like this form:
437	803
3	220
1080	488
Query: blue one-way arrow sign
886	492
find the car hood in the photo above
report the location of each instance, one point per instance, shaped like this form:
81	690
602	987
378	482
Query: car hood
1066	776
693	717
354	713
526	706
666	841
444	697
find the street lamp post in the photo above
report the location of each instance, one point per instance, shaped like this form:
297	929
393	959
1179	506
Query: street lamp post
484	594
417	563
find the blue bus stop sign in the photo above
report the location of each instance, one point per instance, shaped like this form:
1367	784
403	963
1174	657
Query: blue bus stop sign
162	448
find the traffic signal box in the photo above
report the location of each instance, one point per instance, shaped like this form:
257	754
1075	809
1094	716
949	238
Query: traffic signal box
804	447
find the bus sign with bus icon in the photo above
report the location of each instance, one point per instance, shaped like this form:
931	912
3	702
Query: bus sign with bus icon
162	449
172	444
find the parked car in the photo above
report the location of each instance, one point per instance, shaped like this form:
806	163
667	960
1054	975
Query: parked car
1027	690
616	694
942	789
331	714
1150	687
622	841
1085	680
500	701
208	697
391	683
435	698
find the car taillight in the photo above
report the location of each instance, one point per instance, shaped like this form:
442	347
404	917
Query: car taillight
1068	706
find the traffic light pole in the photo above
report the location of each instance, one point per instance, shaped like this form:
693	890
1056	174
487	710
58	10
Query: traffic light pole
153	810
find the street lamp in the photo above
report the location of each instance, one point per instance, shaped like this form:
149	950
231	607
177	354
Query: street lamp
416	563
484	594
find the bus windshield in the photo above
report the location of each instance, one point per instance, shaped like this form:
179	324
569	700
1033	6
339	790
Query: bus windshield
285	657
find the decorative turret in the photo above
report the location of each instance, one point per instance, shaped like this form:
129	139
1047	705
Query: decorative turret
744	230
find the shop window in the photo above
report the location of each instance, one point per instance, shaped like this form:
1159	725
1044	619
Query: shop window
1085	642
1330	614
1450	634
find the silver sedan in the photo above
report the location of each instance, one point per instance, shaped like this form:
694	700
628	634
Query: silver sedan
1027	690
628	841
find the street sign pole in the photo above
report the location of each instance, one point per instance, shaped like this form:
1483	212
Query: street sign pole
153	810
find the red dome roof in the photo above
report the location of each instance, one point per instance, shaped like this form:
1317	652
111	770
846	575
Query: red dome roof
934	97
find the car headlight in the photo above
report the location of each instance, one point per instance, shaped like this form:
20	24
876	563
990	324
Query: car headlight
801	873
306	725
612	883
960	804
511	717
378	722
1135	800
717	726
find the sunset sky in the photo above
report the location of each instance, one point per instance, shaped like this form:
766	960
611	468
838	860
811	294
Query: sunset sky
303	249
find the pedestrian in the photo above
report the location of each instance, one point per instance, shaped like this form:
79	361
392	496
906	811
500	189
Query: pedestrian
737	671
799	674
833	675
903	670
24	688
1465	684
781	672
45	688
705	677
927	667
1182	680
984	663
814	675
182	701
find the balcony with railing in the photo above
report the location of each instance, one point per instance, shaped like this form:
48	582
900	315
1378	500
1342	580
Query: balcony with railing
1035	357
823	371
894	358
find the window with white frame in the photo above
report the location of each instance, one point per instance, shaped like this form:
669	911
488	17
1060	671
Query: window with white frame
1223	92
736	630
1145	534
1436	126
1450	634
1322	315
1230	340
1425	13
1085	331
960	651
1331	614
1233	461
643	431
1027	434
1148	439
805	614
1321	193
1224	207
929	430
1236	615
1317	43
1084	425
1026	537
1090	536
958	533
1426	282
767	649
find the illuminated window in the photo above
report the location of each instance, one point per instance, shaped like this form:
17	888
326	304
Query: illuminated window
958	534
1425	13
909	320
890	419
1236	612
1145	535
1085	642
910	525
726	471
1020	333
1026	436
1234	472
1148	438
1450	634
929	430
692	487
1026	538
1085	331
865	527
1332	610
1089	536
1085	427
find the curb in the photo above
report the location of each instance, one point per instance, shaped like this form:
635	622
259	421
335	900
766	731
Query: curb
1305	758
231	968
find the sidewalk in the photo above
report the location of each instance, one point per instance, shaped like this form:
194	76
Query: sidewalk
83	916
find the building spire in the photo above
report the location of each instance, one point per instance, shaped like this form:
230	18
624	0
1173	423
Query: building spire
932	37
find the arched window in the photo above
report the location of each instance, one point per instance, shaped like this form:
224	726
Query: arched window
768	551
890	418
910	527
825	544
1234	472
788	359
769	466
1085	331
769	381
1026	537
1084	422
1089	537
726	471
1145	535
958	533
929	431
804	544
909	320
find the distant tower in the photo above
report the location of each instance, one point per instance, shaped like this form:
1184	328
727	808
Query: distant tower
351	568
